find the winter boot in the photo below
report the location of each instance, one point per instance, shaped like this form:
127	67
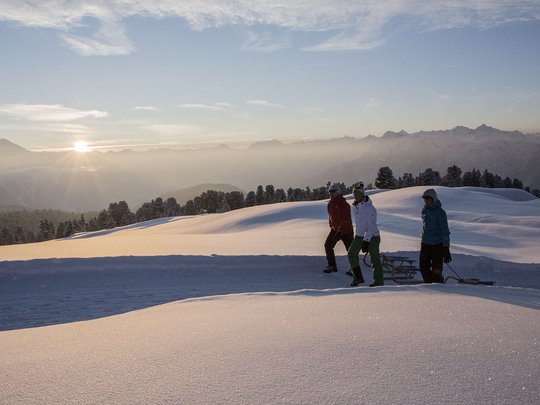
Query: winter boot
438	276
330	269
357	275
376	284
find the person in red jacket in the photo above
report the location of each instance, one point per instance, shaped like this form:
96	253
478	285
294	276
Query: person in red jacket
341	229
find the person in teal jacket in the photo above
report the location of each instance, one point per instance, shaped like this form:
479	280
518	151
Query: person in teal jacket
435	248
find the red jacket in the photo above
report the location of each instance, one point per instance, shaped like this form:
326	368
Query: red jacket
339	215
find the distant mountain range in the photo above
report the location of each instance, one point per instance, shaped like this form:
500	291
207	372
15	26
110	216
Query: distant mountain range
8	148
90	181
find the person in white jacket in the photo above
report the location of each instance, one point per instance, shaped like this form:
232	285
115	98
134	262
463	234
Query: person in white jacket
367	238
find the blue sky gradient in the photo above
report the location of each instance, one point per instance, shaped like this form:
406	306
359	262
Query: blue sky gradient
138	72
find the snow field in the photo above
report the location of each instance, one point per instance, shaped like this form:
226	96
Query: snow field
234	308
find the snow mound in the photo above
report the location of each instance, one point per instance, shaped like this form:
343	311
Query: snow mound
360	346
234	308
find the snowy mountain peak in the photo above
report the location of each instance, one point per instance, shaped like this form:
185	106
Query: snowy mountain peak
392	134
8	148
266	144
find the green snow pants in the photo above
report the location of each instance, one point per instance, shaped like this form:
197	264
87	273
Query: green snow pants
354	261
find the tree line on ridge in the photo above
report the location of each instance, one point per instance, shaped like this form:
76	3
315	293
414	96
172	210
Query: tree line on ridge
119	214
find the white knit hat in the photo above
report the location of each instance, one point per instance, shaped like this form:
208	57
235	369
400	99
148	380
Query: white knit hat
335	188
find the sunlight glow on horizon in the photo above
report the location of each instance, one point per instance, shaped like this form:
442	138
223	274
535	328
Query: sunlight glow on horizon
81	147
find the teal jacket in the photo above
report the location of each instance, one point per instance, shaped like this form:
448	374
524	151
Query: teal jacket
435	225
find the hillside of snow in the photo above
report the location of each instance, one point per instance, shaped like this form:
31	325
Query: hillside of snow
235	308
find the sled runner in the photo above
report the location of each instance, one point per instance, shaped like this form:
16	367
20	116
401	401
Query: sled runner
399	269
461	280
473	281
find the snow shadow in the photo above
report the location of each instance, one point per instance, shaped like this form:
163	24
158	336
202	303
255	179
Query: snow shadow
53	291
138	225
528	298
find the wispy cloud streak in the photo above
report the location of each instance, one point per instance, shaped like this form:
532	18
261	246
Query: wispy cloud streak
264	103
147	108
351	25
211	107
48	112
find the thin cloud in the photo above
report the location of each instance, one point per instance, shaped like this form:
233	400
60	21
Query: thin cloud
371	104
175	129
264	103
266	41
439	96
224	105
110	39
68	128
48	112
147	108
214	107
353	25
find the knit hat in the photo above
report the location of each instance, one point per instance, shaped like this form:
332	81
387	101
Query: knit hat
335	188
360	187
430	193
359	190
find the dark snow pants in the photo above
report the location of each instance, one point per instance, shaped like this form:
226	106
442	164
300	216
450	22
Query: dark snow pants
431	263
331	241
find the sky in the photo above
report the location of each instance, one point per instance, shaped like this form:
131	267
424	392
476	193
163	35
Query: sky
145	73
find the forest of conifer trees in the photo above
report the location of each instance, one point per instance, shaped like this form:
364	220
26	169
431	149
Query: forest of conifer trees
39	225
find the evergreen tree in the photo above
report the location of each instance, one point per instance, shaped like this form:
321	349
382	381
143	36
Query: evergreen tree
472	179
385	178
320	193
488	179
235	200
92	225
46	230
69	229
172	208
406	181
81	225
269	194
251	199
297	194
280	196
20	235
120	214
60	230
498	182
7	237
259	196
190	208
210	201
104	221
452	177
429	177
517	184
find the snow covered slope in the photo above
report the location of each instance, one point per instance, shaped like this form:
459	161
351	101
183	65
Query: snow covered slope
234	308
501	224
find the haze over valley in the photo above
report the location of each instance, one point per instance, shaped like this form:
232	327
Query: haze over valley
79	182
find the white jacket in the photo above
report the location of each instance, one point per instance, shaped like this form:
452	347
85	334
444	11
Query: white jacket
365	218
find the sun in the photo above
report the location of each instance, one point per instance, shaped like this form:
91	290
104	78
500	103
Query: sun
81	147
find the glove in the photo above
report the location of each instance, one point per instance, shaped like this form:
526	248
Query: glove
447	258
365	246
